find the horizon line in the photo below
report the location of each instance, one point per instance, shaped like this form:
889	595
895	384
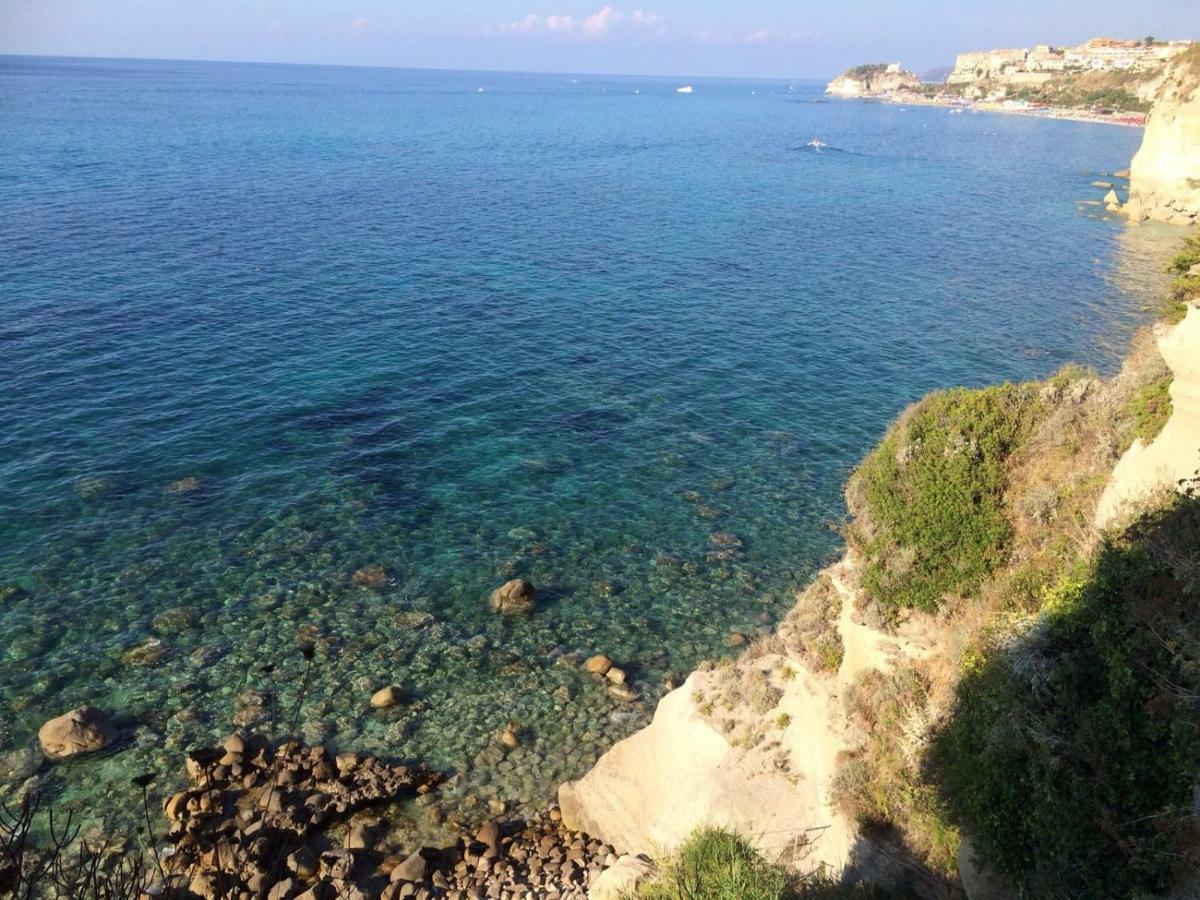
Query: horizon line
329	65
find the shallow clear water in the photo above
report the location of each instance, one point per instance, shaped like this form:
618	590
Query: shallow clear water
567	329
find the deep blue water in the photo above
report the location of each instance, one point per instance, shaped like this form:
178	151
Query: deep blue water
563	328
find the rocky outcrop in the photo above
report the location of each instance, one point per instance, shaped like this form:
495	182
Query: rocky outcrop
1172	459
1165	175
762	741
82	730
873	81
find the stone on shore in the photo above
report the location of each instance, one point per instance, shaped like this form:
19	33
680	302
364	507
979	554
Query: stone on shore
1111	201
82	730
513	597
622	879
411	869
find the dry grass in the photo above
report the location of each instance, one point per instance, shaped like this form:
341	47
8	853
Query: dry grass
810	630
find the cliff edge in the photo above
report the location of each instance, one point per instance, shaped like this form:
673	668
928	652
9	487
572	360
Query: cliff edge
1165	174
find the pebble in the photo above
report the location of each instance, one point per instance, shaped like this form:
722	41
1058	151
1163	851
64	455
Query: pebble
598	664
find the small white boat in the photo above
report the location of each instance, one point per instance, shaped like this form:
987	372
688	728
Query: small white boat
686	89
817	143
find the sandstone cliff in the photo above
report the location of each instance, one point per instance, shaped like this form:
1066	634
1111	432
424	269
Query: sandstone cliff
873	81
1165	175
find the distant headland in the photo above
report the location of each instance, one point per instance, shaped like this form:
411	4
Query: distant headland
1102	80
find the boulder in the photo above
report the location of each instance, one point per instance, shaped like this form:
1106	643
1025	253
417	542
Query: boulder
622	879
513	597
1112	201
82	730
386	698
411	869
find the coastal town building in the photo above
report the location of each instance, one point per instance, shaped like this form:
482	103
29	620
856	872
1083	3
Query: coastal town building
1040	64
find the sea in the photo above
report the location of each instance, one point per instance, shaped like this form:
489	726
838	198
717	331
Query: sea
298	355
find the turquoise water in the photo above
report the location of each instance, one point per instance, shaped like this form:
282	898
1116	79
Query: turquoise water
264	326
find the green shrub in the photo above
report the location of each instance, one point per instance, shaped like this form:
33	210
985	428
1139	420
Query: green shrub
933	492
1150	408
810	629
1071	755
1186	286
716	864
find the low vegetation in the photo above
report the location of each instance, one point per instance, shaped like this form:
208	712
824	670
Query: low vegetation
716	864
1070	753
1116	90
865	71
1185	288
929	501
881	786
810	629
1149	409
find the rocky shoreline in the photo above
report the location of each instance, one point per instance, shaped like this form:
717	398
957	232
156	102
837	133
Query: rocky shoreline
288	821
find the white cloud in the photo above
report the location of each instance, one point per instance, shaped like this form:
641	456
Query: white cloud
359	25
599	24
758	36
649	19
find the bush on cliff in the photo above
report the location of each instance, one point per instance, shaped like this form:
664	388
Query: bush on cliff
1150	409
716	864
928	501
1071	754
1186	286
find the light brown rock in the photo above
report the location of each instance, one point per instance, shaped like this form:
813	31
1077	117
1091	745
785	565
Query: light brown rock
82	730
411	869
621	879
514	597
387	697
598	664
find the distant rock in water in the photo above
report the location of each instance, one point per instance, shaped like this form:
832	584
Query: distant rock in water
514	597
873	81
82	730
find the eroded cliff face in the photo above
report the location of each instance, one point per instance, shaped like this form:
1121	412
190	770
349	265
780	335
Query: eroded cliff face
1165	175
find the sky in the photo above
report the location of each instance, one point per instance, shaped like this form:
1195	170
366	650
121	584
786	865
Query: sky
751	38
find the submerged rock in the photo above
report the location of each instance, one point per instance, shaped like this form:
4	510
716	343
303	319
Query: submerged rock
387	697
513	597
370	577
150	653
82	730
598	664
188	485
